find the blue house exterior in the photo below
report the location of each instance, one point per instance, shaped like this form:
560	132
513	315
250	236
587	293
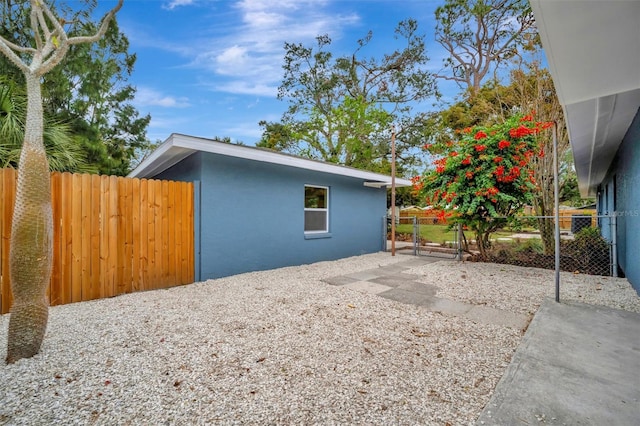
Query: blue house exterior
593	51
258	209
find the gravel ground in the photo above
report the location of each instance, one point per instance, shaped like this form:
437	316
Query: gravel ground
521	290
282	347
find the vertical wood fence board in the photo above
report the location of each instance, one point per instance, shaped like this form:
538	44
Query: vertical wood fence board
8	197
164	226
2	270
120	280
157	221
151	234
136	284
112	264
97	290
178	234
66	189
171	235
144	246
55	284
76	238
85	260
104	235
128	234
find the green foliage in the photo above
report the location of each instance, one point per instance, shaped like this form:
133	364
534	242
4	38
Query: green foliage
341	108
590	238
64	154
277	136
88	90
482	35
530	245
484	174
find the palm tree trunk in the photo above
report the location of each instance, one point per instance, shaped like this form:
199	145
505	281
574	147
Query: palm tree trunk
31	236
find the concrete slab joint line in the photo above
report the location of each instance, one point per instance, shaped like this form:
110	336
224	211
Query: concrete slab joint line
391	282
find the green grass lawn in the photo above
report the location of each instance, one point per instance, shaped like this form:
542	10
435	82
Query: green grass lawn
440	233
433	233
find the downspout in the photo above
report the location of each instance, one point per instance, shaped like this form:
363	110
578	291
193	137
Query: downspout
393	191
556	203
614	244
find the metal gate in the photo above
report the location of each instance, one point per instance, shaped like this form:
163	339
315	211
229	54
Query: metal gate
426	236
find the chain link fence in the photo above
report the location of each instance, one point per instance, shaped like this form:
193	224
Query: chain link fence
427	235
587	242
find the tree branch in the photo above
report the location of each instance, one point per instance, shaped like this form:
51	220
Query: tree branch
34	27
6	49
65	42
17	48
103	27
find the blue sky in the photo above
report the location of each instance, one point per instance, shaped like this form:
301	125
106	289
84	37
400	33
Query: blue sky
212	67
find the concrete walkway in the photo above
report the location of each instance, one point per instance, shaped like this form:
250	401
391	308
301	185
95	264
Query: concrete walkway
393	283
576	365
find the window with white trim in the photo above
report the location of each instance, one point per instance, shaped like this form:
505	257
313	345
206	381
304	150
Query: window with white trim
316	209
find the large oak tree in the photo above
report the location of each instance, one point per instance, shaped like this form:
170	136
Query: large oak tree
341	107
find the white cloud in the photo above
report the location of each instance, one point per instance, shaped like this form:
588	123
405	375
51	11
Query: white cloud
232	57
246	87
250	56
249	131
177	3
146	96
244	52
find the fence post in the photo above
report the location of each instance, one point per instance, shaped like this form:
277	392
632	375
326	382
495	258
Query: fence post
197	217
384	232
614	245
459	255
416	231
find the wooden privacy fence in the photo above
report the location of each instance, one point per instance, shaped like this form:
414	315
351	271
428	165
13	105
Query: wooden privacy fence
566	217
112	235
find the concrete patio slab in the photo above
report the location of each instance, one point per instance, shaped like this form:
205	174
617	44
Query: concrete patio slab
395	280
406	296
577	365
368	287
367	274
490	315
340	280
418	287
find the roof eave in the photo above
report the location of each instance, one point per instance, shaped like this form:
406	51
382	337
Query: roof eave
178	146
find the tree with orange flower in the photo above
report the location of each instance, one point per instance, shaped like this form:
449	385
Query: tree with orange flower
485	177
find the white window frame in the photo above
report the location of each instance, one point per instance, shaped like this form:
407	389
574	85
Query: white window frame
326	209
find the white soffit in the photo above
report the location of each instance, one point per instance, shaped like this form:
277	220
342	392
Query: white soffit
177	147
593	51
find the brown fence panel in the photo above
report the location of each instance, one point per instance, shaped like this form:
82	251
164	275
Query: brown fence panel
8	180
112	235
566	217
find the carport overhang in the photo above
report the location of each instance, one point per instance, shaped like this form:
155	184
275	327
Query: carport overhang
593	52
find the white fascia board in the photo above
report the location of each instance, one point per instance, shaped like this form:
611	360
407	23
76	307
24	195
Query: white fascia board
179	146
159	160
399	184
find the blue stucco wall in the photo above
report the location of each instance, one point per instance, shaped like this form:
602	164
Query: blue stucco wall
252	215
623	183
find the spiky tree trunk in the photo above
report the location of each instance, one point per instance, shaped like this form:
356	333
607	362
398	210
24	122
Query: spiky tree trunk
31	236
31	254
